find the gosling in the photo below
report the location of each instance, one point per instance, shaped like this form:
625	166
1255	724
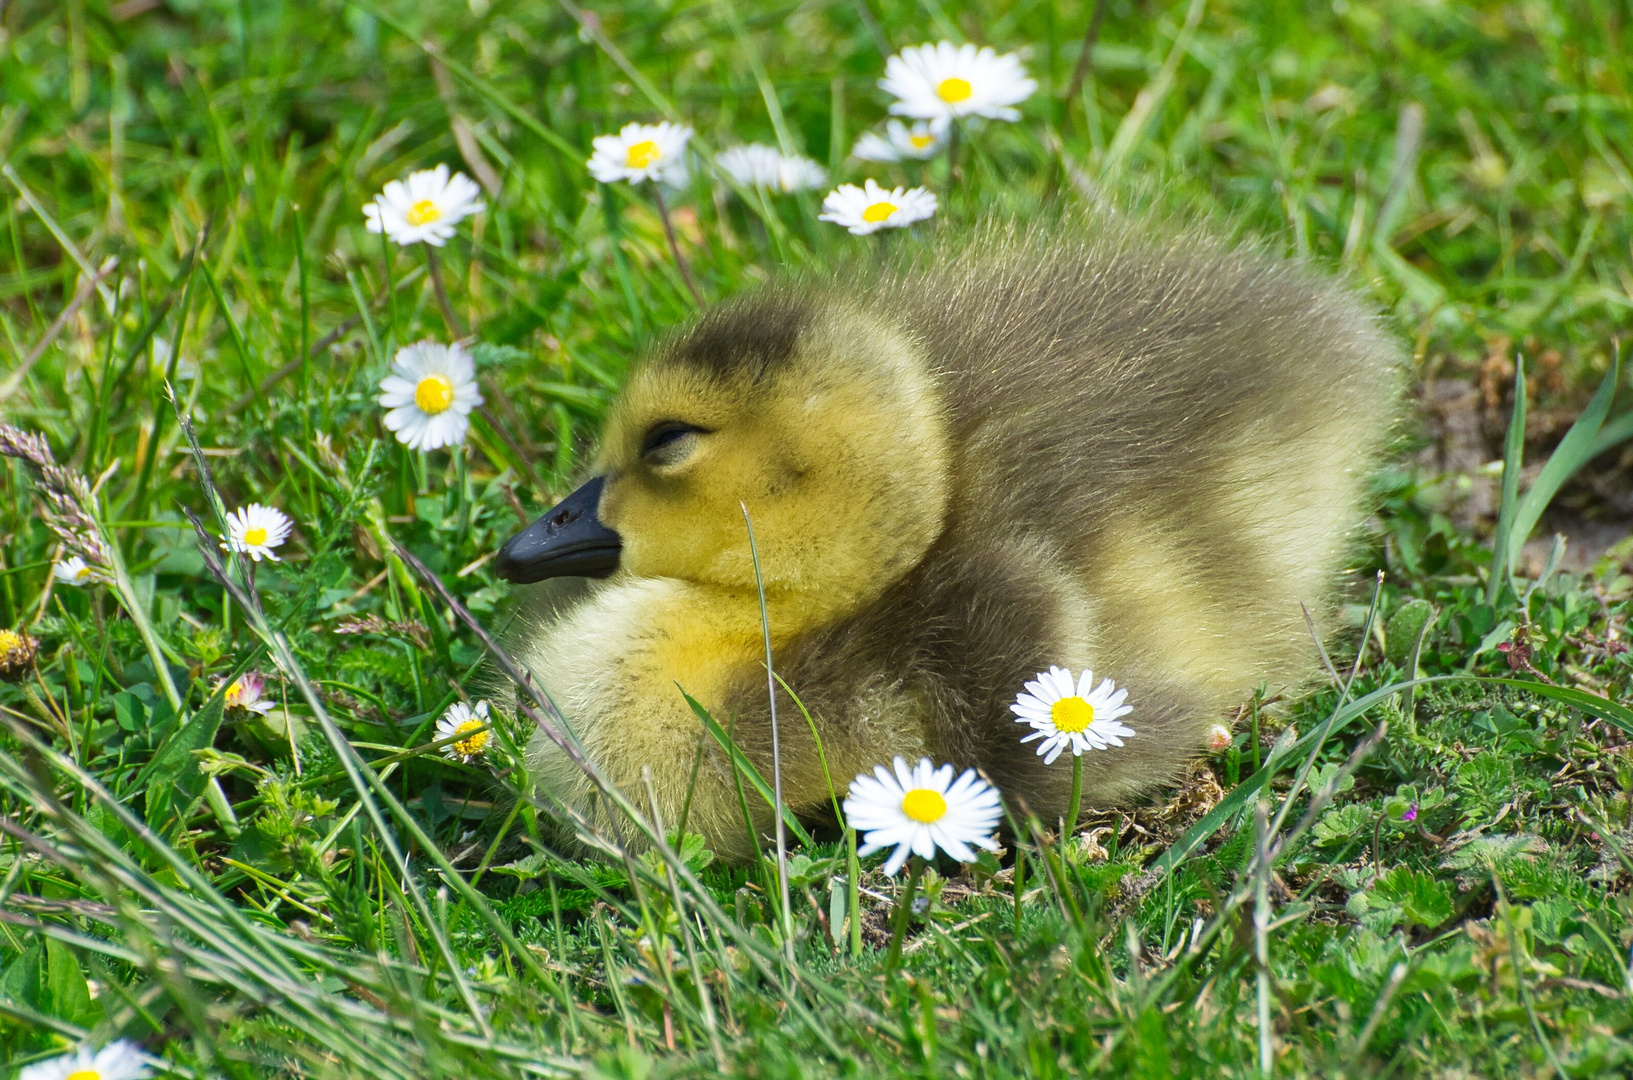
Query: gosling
1029	448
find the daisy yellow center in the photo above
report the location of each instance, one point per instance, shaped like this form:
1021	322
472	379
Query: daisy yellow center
642	154
471	745
878	212
82	573
255	536
921	141
953	90
9	640
84	1074
423	212
1071	714
235	694
924	806
434	394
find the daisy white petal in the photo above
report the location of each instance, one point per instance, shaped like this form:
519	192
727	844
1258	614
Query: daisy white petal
920	809
255	530
924	139
640	152
1072	714
76	571
462	719
869	208
944	81
757	165
430	395
426	208
119	1060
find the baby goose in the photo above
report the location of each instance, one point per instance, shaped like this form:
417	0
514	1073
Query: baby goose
1021	450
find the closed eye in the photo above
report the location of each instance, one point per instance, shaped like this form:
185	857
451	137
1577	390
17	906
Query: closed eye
666	433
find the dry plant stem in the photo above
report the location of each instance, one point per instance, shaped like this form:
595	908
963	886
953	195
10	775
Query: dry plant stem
674	246
904	912
776	749
1085	59
433	266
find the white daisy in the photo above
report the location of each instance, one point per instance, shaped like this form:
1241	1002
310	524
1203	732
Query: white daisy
425	208
758	165
245	692
640	152
76	571
459	719
920	809
430	391
901	143
1080	718
1218	737
944	80
119	1060
254	530
868	209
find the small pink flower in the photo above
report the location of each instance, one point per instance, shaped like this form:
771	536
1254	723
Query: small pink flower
1411	813
1218	737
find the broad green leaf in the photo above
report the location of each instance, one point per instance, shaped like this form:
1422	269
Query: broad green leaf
1575	450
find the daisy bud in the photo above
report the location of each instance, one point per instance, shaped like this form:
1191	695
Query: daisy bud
17	651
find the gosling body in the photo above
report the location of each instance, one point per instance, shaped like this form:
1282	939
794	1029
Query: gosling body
1027	449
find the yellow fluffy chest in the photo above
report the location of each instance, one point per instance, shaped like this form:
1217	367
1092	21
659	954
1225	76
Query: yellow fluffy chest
616	665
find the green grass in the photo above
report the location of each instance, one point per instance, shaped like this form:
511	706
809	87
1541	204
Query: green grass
322	894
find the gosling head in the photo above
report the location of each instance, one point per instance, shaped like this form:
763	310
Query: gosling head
820	418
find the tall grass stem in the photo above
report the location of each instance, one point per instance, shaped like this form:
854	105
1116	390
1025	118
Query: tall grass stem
787	915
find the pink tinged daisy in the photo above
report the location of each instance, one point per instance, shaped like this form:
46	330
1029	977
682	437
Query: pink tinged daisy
430	393
472	724
247	693
255	530
425	208
922	809
641	152
1218	737
920	142
1079	718
119	1060
757	165
869	208
945	81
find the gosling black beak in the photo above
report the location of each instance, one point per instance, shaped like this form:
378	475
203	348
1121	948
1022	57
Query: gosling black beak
569	541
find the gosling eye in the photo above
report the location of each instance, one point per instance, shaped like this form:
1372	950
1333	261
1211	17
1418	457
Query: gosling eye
660	447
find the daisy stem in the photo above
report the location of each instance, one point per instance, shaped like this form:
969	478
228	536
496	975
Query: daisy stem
1077	797
674	247
904	911
433	266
